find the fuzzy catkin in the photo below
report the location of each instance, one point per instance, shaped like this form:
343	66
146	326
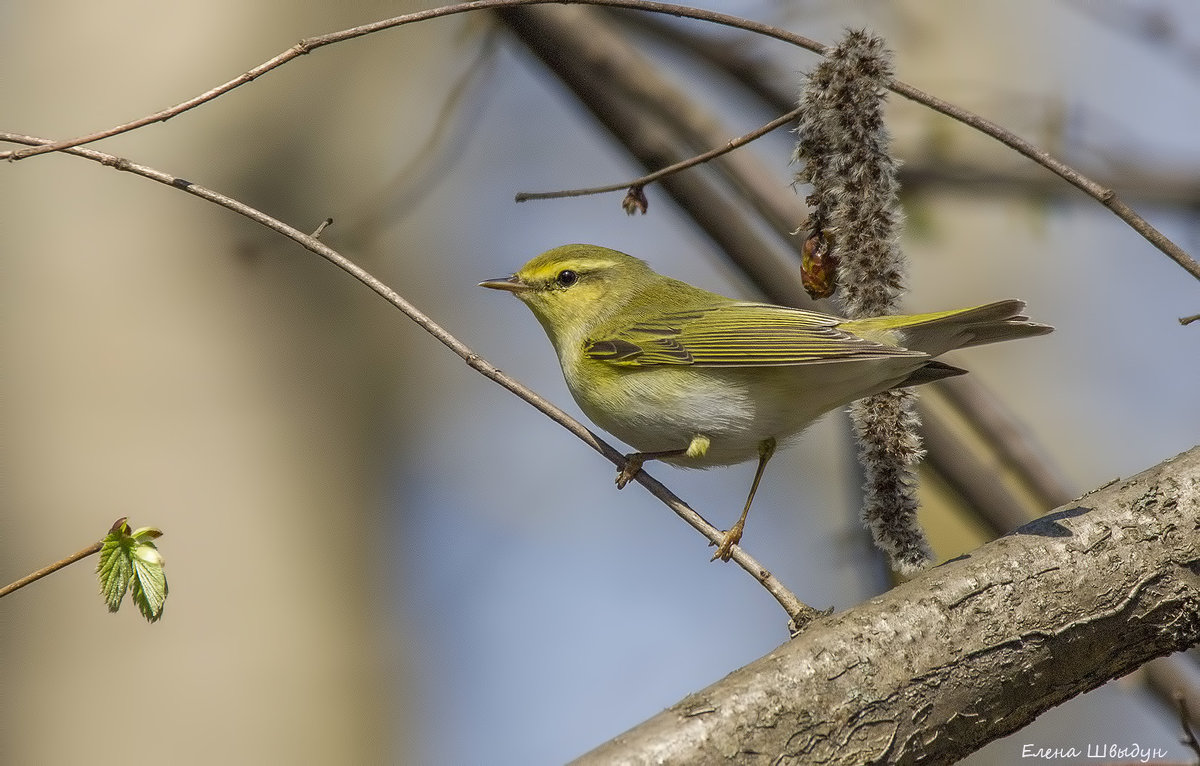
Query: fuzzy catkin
844	149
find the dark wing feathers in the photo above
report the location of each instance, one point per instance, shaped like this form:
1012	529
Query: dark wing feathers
736	335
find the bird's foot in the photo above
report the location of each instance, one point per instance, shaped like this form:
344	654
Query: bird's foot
728	540
633	464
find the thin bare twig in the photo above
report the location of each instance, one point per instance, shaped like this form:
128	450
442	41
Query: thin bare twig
321	228
51	569
1104	195
799	613
650	178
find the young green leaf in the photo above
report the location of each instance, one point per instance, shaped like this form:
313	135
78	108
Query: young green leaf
149	581
115	568
129	560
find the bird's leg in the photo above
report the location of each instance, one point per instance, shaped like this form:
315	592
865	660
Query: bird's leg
633	461
766	449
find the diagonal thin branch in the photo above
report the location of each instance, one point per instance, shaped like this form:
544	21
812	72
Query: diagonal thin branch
1104	195
799	613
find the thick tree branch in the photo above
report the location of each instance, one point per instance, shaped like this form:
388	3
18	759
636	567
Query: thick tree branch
967	652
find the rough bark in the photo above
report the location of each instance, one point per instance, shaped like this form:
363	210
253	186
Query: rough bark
966	653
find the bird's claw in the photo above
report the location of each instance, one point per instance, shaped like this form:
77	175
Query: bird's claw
626	474
728	540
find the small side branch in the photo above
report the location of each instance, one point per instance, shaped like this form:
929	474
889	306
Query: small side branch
51	569
639	183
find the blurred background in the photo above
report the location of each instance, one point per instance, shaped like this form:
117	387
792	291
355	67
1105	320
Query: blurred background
377	556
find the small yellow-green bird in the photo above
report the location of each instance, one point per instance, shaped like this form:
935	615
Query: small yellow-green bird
697	379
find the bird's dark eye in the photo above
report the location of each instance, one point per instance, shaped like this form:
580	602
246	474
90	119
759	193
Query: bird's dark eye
566	278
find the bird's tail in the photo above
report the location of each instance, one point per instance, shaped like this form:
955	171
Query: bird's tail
944	331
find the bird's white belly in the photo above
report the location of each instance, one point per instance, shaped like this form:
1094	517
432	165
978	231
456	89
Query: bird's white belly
654	413
661	409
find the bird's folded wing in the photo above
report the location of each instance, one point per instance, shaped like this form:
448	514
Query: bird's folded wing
736	335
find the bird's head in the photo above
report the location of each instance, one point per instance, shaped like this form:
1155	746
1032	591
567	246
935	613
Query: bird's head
572	288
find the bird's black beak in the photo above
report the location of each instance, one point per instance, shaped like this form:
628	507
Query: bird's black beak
512	284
